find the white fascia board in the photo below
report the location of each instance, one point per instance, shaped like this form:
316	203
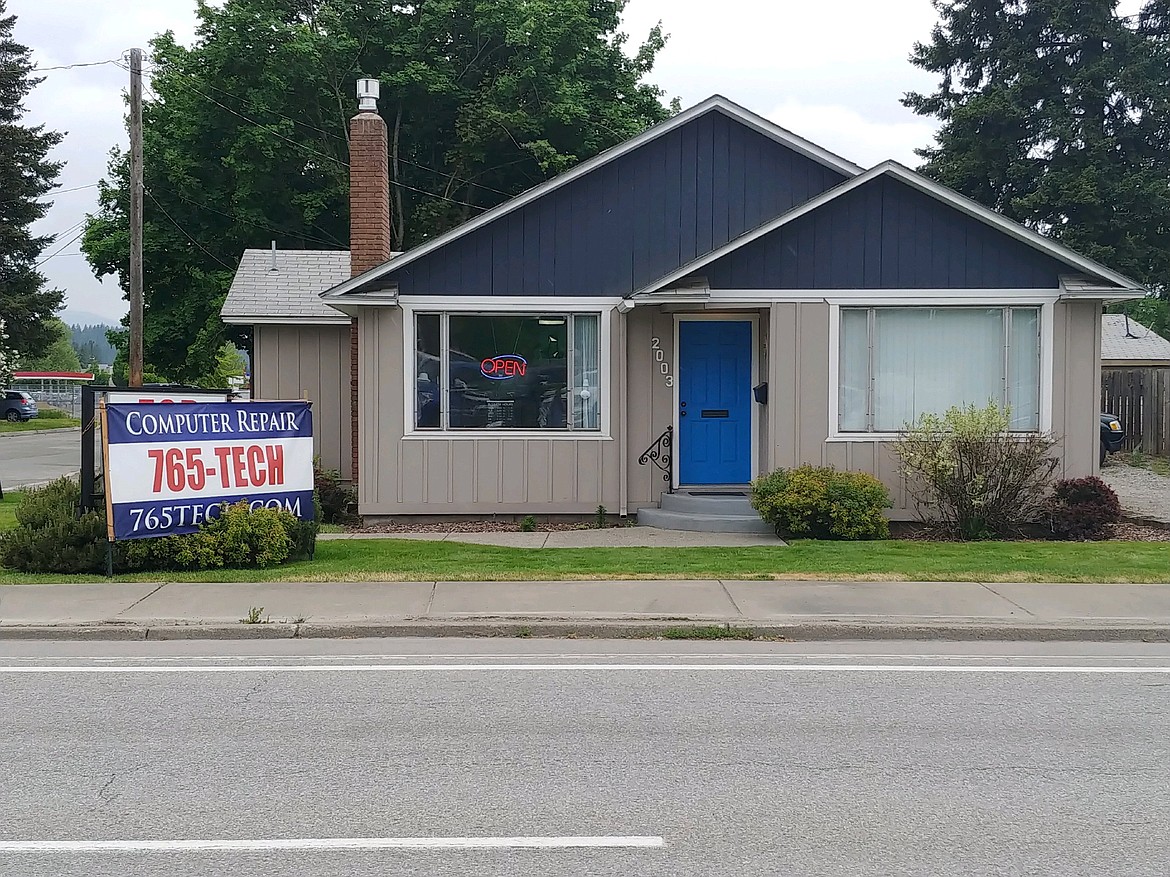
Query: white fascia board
927	186
876	297
269	320
716	102
495	303
1105	295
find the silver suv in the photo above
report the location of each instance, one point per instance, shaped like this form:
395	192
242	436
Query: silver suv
18	406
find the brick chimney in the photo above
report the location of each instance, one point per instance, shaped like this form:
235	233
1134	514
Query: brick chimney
369	215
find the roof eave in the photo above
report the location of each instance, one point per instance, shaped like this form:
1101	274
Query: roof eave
1105	295
270	320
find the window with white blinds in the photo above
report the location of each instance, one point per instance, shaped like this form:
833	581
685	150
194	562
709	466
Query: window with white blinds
898	363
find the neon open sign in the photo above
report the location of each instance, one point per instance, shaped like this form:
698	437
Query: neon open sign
504	366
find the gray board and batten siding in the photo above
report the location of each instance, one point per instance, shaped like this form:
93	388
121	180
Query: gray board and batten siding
309	362
631	220
885	234
446	474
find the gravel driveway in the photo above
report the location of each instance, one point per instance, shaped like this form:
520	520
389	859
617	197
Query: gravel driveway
1143	494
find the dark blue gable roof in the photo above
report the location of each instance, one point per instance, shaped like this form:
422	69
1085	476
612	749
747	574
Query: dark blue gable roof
630	221
885	234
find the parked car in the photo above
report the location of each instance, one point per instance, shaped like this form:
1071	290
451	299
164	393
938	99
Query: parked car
18	406
1112	435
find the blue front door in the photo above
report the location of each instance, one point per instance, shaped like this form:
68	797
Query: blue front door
715	401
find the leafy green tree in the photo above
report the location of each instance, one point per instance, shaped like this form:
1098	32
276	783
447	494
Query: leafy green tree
245	133
1057	114
26	176
60	356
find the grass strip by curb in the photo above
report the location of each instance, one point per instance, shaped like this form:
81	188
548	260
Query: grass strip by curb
390	560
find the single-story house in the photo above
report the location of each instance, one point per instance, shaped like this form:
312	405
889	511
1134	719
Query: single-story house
1126	343
709	301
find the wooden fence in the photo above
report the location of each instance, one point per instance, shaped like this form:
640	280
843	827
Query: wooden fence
1140	399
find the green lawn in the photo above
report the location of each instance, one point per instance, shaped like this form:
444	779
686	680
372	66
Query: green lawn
39	423
394	560
8	509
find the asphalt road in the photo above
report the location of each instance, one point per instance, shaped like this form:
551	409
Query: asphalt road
34	459
713	758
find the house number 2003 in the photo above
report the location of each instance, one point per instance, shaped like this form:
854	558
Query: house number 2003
660	358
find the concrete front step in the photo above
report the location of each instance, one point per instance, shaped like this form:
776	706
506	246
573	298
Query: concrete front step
700	504
702	523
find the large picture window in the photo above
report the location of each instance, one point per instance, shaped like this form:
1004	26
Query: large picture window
508	371
898	363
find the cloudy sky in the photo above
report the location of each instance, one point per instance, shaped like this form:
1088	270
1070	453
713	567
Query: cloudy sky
830	70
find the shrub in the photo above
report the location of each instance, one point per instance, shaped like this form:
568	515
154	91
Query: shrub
338	499
973	478
51	537
239	538
823	503
528	525
1083	508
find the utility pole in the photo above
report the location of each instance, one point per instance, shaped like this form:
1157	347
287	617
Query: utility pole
136	217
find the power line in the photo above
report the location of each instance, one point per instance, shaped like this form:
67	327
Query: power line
64	247
337	136
75	66
323	155
187	233
261	225
51	192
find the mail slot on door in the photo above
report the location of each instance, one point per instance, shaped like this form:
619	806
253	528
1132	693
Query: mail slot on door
714	412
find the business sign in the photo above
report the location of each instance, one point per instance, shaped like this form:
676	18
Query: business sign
124	396
504	366
170	468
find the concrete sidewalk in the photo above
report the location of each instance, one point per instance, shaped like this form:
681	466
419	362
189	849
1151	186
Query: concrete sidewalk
792	609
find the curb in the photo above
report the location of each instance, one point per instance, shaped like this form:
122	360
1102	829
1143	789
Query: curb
40	431
802	631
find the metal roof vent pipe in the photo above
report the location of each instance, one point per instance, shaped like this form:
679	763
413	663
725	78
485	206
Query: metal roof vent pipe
368	92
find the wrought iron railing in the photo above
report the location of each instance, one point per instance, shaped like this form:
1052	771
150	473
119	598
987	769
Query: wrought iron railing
659	455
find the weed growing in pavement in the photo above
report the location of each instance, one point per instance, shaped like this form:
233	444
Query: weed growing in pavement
255	616
713	631
524	632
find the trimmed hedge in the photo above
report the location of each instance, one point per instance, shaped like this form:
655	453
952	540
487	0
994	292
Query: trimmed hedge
823	503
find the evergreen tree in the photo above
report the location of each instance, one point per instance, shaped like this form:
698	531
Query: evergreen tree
26	176
1055	113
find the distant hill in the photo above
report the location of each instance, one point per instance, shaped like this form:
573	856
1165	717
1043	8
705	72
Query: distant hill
74	317
91	344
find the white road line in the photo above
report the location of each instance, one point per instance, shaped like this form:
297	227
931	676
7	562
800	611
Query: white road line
571	656
332	843
590	668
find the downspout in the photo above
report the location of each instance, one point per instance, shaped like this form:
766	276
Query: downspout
624	408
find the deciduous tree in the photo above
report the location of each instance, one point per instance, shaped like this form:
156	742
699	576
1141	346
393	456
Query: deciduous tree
245	132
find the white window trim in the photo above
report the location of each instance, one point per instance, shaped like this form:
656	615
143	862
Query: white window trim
1046	304
478	306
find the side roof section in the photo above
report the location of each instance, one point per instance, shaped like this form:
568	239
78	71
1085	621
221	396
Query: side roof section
626	216
285	286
